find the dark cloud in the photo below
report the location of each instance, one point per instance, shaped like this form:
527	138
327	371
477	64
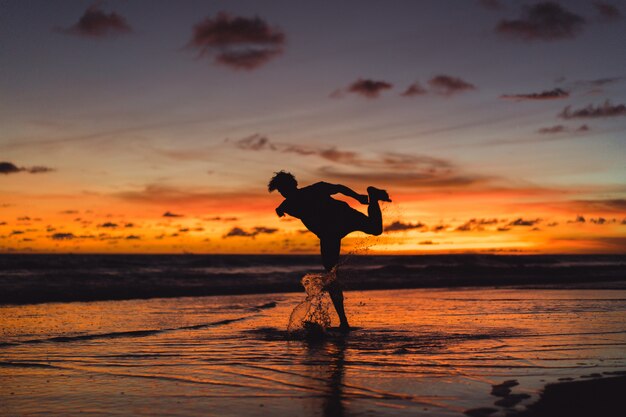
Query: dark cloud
599	220
62	236
239	232
439	228
504	229
562	129
170	214
399	226
368	88
69	212
556	93
108	225
579	219
599	82
609	205
237	42
10	168
607	11
553	224
38	170
129	225
546	21
255	142
414	89
23	218
523	222
132	237
476	225
447	85
3	223
221	219
605	110
427	242
552	129
16	232
95	23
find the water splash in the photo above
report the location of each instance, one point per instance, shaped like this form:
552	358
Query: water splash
313	312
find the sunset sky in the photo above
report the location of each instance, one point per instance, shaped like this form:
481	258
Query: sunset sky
154	126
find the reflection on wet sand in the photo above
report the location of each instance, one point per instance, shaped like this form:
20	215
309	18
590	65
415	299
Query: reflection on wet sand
414	352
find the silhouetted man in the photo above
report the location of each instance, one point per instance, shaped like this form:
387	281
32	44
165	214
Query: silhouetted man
329	219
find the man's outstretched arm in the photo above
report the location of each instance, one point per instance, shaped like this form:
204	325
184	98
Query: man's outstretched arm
280	210
342	189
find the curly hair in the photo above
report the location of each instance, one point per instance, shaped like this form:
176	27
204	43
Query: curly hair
282	179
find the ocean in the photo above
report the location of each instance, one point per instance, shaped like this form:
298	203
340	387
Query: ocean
45	278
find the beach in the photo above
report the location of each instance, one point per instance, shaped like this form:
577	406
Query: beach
429	352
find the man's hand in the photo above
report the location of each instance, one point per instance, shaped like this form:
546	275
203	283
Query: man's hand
280	212
363	199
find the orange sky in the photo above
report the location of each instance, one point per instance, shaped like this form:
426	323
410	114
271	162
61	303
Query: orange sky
516	147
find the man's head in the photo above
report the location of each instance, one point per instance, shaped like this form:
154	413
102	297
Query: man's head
284	182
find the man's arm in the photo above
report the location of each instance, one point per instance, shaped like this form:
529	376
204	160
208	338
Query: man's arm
342	189
280	210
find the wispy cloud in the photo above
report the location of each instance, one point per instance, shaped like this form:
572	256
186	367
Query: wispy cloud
170	214
239	232
604	110
556	129
448	85
556	93
364	87
399	226
95	23
545	21
414	89
476	225
237	42
10	168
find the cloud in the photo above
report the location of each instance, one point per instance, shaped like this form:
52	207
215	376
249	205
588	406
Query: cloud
239	232
562	129
170	214
447	85
69	212
523	222
132	237
10	168
237	42
439	228
398	226
63	236
605	110
368	88
427	242
476	225
556	93
607	11
546	21
414	89
579	219
255	142
397	168
108	225
95	23
617	205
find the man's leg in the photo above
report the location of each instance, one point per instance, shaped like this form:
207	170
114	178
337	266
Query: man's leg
330	248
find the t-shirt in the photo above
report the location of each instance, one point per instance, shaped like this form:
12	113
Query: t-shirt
320	213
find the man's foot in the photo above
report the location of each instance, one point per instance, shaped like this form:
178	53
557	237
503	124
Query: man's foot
378	194
344	327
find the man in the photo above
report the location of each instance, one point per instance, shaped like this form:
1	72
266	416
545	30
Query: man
329	219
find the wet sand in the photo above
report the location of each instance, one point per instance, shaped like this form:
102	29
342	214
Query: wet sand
425	352
597	397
